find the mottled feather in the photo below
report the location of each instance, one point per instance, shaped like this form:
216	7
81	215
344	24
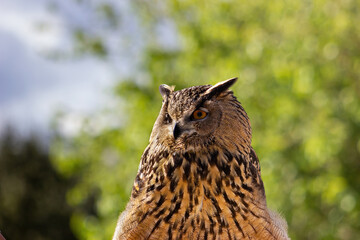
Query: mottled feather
199	178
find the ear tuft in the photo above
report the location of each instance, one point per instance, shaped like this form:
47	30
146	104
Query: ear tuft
166	90
220	87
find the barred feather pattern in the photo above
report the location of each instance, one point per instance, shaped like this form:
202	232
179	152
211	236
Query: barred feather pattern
201	195
200	189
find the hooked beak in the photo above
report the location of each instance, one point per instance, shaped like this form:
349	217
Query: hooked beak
177	130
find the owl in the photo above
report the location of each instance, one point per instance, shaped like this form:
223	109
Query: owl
199	177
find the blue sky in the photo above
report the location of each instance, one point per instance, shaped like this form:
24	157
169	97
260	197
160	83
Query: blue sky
34	87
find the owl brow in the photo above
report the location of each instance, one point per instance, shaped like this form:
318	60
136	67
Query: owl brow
201	101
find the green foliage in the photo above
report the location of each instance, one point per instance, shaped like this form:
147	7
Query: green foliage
85	43
32	193
299	69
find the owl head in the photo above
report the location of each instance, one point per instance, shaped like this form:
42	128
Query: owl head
201	116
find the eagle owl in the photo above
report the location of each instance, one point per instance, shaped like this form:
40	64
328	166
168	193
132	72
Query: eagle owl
199	177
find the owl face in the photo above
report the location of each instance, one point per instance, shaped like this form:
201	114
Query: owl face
195	115
190	120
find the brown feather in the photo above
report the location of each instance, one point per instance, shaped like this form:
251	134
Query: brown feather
204	184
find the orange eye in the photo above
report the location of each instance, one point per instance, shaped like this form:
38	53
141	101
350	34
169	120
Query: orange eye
199	114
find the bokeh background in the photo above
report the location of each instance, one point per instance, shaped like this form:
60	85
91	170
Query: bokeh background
79	95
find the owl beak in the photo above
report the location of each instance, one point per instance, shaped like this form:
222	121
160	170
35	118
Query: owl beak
177	130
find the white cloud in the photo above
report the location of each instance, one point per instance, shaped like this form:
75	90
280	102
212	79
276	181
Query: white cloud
33	88
33	24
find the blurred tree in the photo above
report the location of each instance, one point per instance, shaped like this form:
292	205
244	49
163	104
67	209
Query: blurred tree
299	68
32	194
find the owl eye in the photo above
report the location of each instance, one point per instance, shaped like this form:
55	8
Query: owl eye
199	114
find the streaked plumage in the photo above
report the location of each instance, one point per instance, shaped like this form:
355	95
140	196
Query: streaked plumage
199	177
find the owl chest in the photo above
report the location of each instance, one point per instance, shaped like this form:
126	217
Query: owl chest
188	206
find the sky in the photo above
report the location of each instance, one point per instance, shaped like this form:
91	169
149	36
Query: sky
33	87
